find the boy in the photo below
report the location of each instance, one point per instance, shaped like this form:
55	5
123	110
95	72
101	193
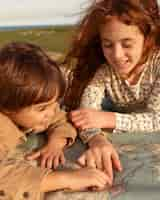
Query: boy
30	87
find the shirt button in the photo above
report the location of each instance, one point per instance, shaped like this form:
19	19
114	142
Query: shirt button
26	195
2	193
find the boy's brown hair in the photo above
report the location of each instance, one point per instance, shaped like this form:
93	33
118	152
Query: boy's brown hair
27	76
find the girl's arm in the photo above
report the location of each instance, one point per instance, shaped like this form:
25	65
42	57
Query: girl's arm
101	153
93	97
147	121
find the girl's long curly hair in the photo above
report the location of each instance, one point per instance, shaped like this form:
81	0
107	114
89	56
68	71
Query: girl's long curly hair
86	56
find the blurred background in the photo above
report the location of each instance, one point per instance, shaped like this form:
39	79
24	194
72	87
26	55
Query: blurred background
48	23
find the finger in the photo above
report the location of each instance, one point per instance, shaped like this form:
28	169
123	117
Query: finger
107	165
78	119
99	183
56	162
90	160
87	125
33	155
98	159
82	160
103	177
50	161
75	113
62	159
80	124
44	161
97	189
116	161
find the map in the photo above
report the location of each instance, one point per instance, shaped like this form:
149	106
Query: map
140	178
140	156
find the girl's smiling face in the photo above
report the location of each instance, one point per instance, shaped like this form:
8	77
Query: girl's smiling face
122	45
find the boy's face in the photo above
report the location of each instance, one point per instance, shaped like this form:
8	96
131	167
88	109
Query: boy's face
36	117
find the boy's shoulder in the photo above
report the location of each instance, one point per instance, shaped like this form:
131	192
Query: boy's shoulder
59	115
10	135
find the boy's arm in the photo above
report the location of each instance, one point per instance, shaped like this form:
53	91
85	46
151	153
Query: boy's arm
60	134
61	129
20	180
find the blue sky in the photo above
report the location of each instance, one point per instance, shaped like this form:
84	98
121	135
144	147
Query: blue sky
35	12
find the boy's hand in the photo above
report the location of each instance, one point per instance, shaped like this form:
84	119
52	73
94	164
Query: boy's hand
75	180
86	178
51	155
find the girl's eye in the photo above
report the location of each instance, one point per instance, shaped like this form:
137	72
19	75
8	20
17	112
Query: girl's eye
127	45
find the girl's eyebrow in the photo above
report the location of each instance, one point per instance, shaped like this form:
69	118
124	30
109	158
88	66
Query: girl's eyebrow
127	39
124	40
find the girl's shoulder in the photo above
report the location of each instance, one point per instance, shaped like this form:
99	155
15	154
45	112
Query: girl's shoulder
153	62
154	58
101	75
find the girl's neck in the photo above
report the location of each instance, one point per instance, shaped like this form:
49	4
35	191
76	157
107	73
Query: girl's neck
134	77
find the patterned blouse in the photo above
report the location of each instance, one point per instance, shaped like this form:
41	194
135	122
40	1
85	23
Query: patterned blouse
136	106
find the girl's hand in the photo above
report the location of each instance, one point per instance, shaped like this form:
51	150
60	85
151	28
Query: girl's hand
102	155
91	118
51	155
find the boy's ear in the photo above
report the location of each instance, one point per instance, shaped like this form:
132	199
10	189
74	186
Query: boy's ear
7	112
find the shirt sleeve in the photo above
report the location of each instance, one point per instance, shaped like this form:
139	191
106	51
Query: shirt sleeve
61	127
147	121
93	97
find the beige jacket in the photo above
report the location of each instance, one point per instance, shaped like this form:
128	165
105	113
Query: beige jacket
20	179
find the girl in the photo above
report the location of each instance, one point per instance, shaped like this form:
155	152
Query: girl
30	87
117	59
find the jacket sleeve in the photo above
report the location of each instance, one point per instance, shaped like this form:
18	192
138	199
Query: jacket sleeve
20	181
18	178
61	127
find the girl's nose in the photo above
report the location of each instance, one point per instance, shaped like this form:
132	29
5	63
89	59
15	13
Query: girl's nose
118	52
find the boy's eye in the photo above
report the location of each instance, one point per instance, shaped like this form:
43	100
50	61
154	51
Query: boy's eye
107	45
41	108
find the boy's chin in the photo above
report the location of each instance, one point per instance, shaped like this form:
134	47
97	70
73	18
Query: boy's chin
39	129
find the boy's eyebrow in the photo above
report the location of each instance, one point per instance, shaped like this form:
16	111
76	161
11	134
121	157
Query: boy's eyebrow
46	103
105	39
